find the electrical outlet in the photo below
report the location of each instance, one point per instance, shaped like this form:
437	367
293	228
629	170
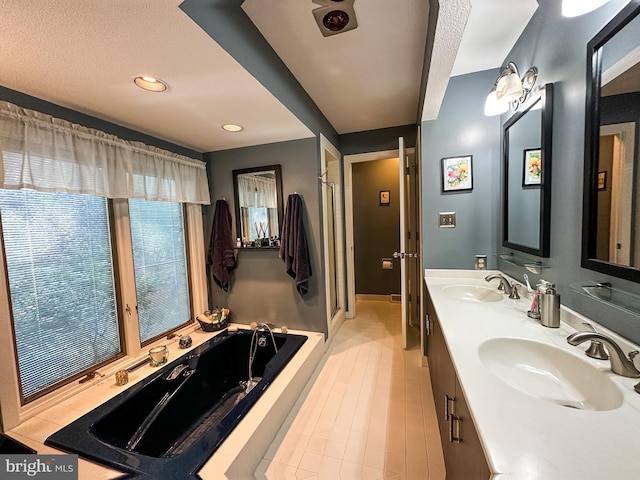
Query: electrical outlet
447	220
481	262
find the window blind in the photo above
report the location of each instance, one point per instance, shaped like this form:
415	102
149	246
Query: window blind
61	279
160	264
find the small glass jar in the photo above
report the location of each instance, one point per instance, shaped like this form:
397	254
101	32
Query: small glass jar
158	355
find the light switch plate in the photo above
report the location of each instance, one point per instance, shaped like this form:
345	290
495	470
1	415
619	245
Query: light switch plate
447	220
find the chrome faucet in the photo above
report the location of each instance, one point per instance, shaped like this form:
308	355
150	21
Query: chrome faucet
620	364
504	283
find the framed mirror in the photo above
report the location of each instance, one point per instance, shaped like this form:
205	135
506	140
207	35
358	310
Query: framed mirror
527	176
611	217
258	201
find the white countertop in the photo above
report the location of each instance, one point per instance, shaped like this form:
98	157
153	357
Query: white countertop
525	437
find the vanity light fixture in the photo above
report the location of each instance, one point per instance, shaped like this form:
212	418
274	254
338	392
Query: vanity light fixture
230	127
510	91
574	8
150	84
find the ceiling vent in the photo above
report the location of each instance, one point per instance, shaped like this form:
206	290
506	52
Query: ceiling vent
335	16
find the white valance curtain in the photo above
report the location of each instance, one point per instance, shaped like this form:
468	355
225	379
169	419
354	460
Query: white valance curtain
256	191
48	154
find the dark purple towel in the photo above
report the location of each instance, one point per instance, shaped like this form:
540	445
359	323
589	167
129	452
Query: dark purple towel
221	256
293	244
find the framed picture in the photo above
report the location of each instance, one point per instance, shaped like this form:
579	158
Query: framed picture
457	174
602	180
532	168
385	197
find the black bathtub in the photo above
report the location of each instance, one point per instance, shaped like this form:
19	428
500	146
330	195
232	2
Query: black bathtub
167	426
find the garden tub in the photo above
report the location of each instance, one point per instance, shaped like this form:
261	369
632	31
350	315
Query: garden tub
170	423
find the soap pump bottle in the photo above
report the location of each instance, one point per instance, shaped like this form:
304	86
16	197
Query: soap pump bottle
549	305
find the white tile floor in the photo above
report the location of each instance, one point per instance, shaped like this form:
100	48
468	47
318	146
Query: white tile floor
367	413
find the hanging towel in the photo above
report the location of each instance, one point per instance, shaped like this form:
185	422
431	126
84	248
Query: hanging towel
293	244
221	257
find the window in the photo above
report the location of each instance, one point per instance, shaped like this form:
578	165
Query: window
160	264
61	279
78	253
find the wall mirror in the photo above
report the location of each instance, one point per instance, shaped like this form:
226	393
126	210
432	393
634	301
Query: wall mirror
611	218
258	201
527	176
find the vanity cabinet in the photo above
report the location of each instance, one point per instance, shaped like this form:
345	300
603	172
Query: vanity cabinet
463	454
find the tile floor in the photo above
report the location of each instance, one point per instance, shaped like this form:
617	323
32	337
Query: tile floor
367	413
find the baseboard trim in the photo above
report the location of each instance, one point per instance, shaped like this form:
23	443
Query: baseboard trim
394	297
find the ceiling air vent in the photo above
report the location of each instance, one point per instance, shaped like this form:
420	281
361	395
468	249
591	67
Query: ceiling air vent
335	16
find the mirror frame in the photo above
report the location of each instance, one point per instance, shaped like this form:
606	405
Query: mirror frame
592	145
546	131
236	198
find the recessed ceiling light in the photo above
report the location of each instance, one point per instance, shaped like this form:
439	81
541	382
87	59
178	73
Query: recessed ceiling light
151	84
230	127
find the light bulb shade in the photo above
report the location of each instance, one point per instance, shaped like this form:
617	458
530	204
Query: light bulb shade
493	106
574	8
509	87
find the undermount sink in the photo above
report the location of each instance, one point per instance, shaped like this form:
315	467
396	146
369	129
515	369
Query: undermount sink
473	293
550	373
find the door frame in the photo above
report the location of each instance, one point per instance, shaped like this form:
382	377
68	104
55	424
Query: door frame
349	160
623	199
334	319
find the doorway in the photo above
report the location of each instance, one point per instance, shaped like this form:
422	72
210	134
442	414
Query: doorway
616	241
411	200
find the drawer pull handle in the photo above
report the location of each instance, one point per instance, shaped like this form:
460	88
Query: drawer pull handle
447	399
454	438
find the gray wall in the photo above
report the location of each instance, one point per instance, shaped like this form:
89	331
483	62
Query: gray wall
377	140
557	46
260	288
462	129
376	228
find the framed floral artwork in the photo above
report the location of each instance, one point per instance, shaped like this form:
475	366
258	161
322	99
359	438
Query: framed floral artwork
532	169
457	174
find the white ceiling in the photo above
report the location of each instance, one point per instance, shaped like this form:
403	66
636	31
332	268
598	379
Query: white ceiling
83	55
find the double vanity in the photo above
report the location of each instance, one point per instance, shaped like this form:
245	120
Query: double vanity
514	399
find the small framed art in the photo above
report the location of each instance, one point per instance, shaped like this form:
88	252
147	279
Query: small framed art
532	168
457	174
602	180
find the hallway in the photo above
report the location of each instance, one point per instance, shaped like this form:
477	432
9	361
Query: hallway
367	413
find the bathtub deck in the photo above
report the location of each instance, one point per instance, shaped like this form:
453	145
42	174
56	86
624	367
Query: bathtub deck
236	458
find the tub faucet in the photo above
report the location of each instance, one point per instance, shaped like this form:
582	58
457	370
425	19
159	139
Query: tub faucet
504	283
620	364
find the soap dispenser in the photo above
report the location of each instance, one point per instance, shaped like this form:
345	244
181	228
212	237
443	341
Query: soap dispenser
549	305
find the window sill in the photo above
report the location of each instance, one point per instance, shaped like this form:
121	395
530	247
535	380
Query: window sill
107	373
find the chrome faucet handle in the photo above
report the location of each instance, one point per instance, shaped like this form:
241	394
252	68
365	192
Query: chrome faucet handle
596	349
503	286
621	364
514	291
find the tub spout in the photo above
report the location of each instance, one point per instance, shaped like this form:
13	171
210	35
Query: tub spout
175	373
